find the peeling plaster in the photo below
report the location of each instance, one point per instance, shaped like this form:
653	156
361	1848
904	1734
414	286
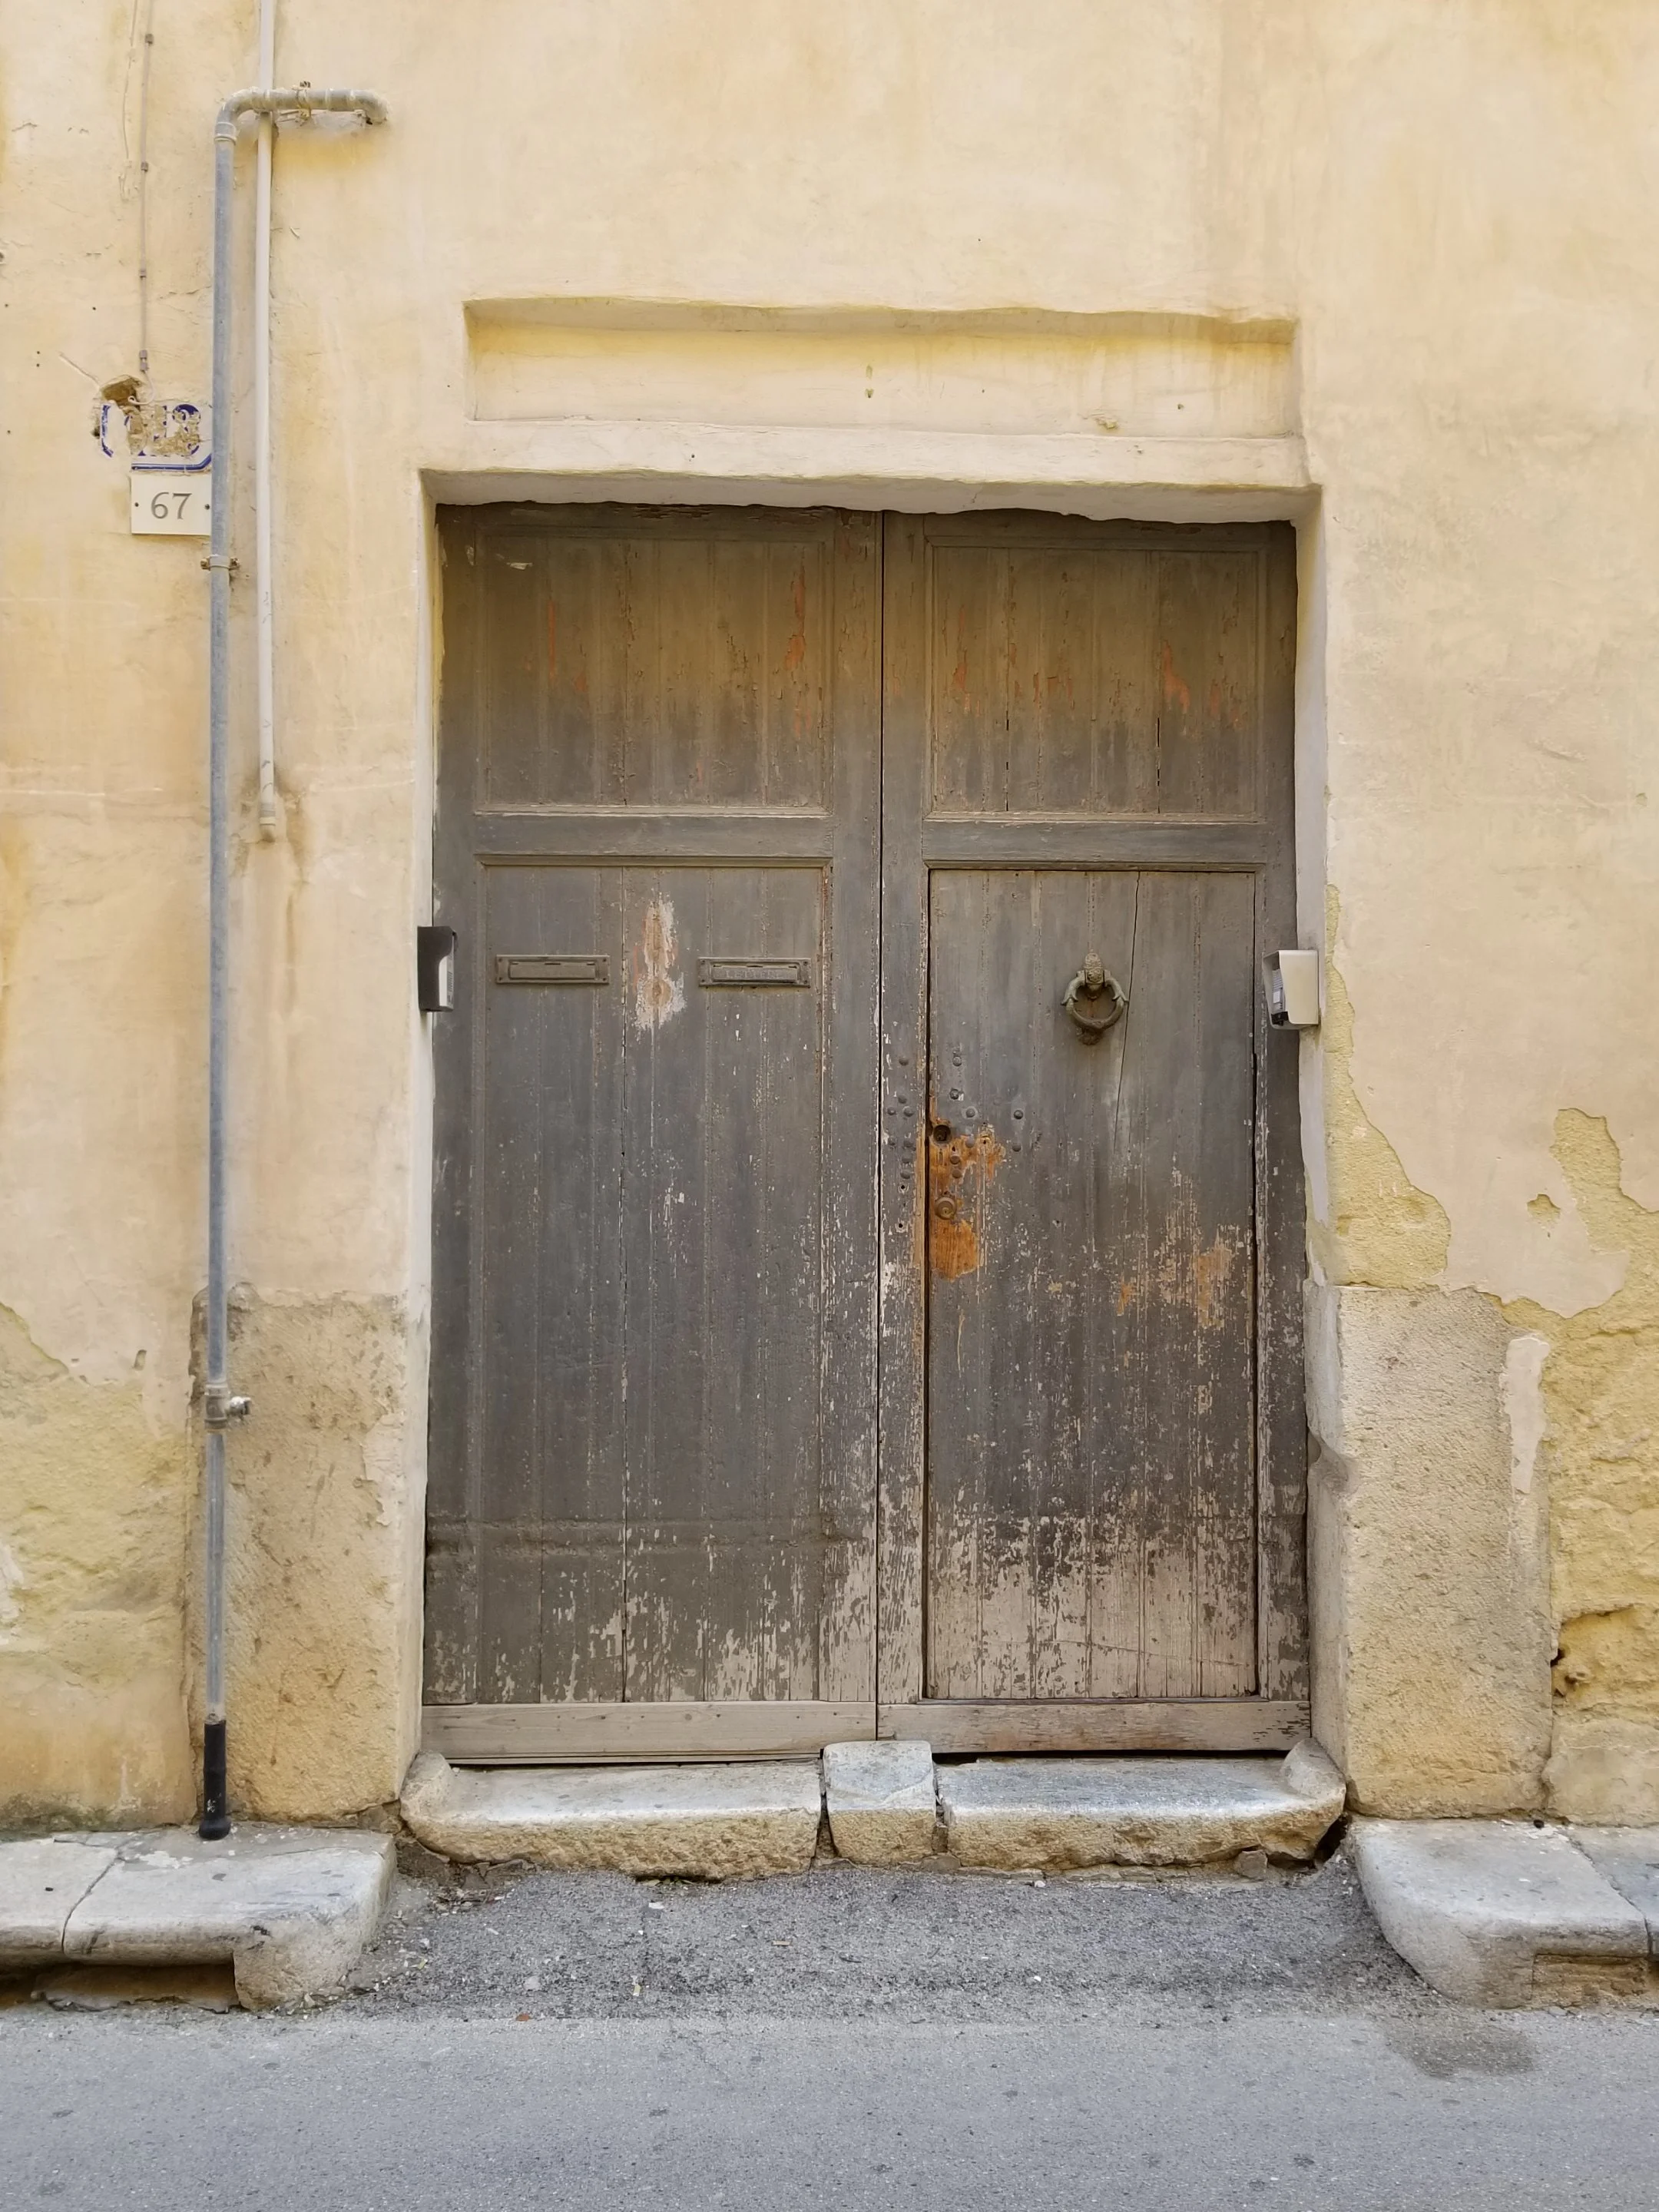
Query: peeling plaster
1600	1387
1380	1229
11	1580
316	1519
1523	1406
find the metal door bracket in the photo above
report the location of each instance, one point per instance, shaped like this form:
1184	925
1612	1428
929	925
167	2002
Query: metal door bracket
434	968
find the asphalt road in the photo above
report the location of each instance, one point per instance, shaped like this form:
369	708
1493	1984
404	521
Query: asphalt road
846	2040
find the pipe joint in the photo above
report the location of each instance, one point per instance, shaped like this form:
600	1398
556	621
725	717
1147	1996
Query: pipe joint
303	101
220	1409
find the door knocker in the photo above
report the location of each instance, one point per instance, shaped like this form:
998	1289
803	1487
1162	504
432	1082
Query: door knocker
1094	999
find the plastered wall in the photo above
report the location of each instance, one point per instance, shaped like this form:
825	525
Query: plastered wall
1443	207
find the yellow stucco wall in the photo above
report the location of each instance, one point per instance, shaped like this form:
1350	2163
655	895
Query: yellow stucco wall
1441	208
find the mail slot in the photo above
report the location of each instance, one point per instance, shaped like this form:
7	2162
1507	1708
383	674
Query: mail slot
552	968
755	975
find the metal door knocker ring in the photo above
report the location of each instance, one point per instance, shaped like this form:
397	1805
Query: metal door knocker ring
1095	1000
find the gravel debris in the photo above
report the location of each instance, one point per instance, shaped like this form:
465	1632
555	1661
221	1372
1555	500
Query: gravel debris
862	1942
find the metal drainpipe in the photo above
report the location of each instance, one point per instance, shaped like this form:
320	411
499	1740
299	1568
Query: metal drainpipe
263	649
220	1407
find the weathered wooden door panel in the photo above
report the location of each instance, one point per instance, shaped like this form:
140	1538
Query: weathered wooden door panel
550	1291
730	1558
1093	679
1090	1499
651	1472
666	668
1093	1455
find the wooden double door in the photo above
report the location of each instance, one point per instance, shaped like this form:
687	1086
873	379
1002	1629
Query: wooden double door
867	1234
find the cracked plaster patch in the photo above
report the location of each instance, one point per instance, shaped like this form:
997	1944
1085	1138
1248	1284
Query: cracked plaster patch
1599	1387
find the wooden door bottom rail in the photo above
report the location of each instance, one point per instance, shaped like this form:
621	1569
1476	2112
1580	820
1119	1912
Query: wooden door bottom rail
1078	1724
625	1735
601	1734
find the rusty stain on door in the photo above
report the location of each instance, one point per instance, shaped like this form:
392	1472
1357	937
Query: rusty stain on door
960	1171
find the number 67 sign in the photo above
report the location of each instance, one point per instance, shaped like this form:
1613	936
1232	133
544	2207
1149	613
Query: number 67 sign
170	456
171	502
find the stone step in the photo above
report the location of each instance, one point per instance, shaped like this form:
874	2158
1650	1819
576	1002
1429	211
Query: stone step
1629	1858
1016	1814
888	1805
883	1808
1505	1913
714	1822
290	1909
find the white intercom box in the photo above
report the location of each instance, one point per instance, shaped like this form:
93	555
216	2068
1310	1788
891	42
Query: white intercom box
1291	976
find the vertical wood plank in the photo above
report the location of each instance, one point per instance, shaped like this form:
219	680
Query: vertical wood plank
910	631
550	1448
1051	722
579	1344
1124	701
451	1636
663	1140
511	605
1116	1364
1281	1232
804	611
733	630
1208	683
847	1348
511	1200
572	766
723	1195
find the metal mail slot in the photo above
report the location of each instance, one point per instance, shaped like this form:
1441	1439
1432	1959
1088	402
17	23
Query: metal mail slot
753	975
552	968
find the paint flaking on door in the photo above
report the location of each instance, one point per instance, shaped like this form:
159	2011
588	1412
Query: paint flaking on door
659	992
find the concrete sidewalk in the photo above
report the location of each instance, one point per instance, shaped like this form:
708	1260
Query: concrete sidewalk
1518	1912
1492	1913
290	1910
